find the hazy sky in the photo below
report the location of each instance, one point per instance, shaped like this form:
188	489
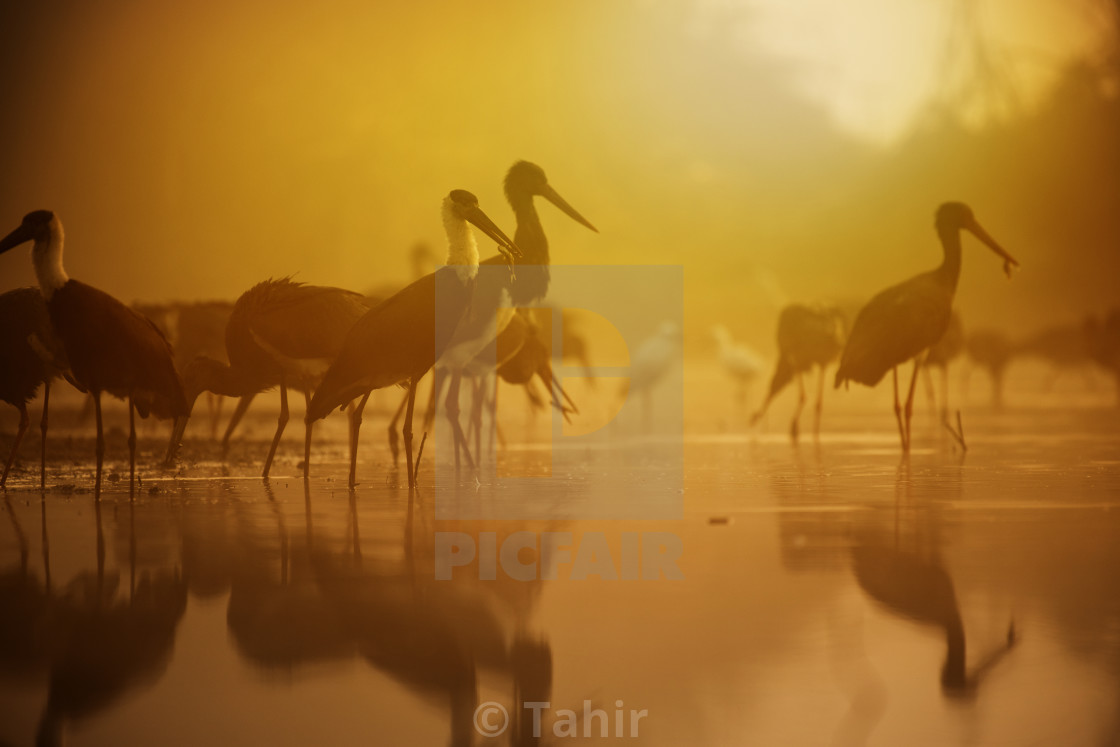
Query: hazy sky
193	149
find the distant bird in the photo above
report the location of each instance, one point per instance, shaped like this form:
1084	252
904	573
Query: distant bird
29	356
991	350
940	355
496	294
1066	347
651	362
398	340
902	322
807	336
194	329
741	362
280	333
1104	344
109	347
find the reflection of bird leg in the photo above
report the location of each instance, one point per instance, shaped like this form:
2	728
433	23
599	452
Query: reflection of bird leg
898	410
795	425
24	421
43	436
280	423
355	428
909	411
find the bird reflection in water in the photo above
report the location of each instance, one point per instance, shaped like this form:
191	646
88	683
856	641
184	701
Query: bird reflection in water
91	643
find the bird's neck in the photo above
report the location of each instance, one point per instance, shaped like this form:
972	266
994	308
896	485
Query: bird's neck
220	378
950	269
46	256
529	235
462	250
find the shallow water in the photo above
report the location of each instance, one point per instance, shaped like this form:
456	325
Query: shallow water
832	593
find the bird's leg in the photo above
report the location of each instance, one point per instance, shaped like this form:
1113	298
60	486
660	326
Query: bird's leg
478	399
439	375
283	421
355	427
131	444
795	425
308	424
43	436
909	411
945	394
931	393
451	407
24	421
408	432
820	400
216	415
898	410
394	439
100	449
212	411
234	420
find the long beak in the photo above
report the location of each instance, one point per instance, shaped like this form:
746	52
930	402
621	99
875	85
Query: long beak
15	238
1009	262
176	440
484	224
550	194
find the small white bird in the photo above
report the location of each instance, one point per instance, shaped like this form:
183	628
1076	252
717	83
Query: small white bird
653	359
742	363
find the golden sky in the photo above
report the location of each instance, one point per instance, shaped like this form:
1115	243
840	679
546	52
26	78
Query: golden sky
193	149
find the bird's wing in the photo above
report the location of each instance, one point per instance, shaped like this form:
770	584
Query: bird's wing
306	321
892	328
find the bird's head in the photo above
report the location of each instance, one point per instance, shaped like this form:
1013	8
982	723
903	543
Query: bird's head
462	205
956	216
36	226
526	179
201	375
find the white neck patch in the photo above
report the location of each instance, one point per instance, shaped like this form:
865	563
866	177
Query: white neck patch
46	256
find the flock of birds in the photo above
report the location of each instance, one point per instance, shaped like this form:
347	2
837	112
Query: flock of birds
336	346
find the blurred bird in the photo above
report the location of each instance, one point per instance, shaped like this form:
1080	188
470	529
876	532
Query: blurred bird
991	350
399	339
652	361
1066	347
280	332
902	322
109	347
1104	344
29	356
940	355
741	362
807	336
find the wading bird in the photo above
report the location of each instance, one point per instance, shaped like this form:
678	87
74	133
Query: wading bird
807	336
280	333
496	293
902	322
108	346
741	362
991	350
398	340
29	356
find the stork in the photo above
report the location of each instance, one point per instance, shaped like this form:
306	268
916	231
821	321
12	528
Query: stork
29	356
808	335
401	338
109	347
903	321
280	333
496	294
